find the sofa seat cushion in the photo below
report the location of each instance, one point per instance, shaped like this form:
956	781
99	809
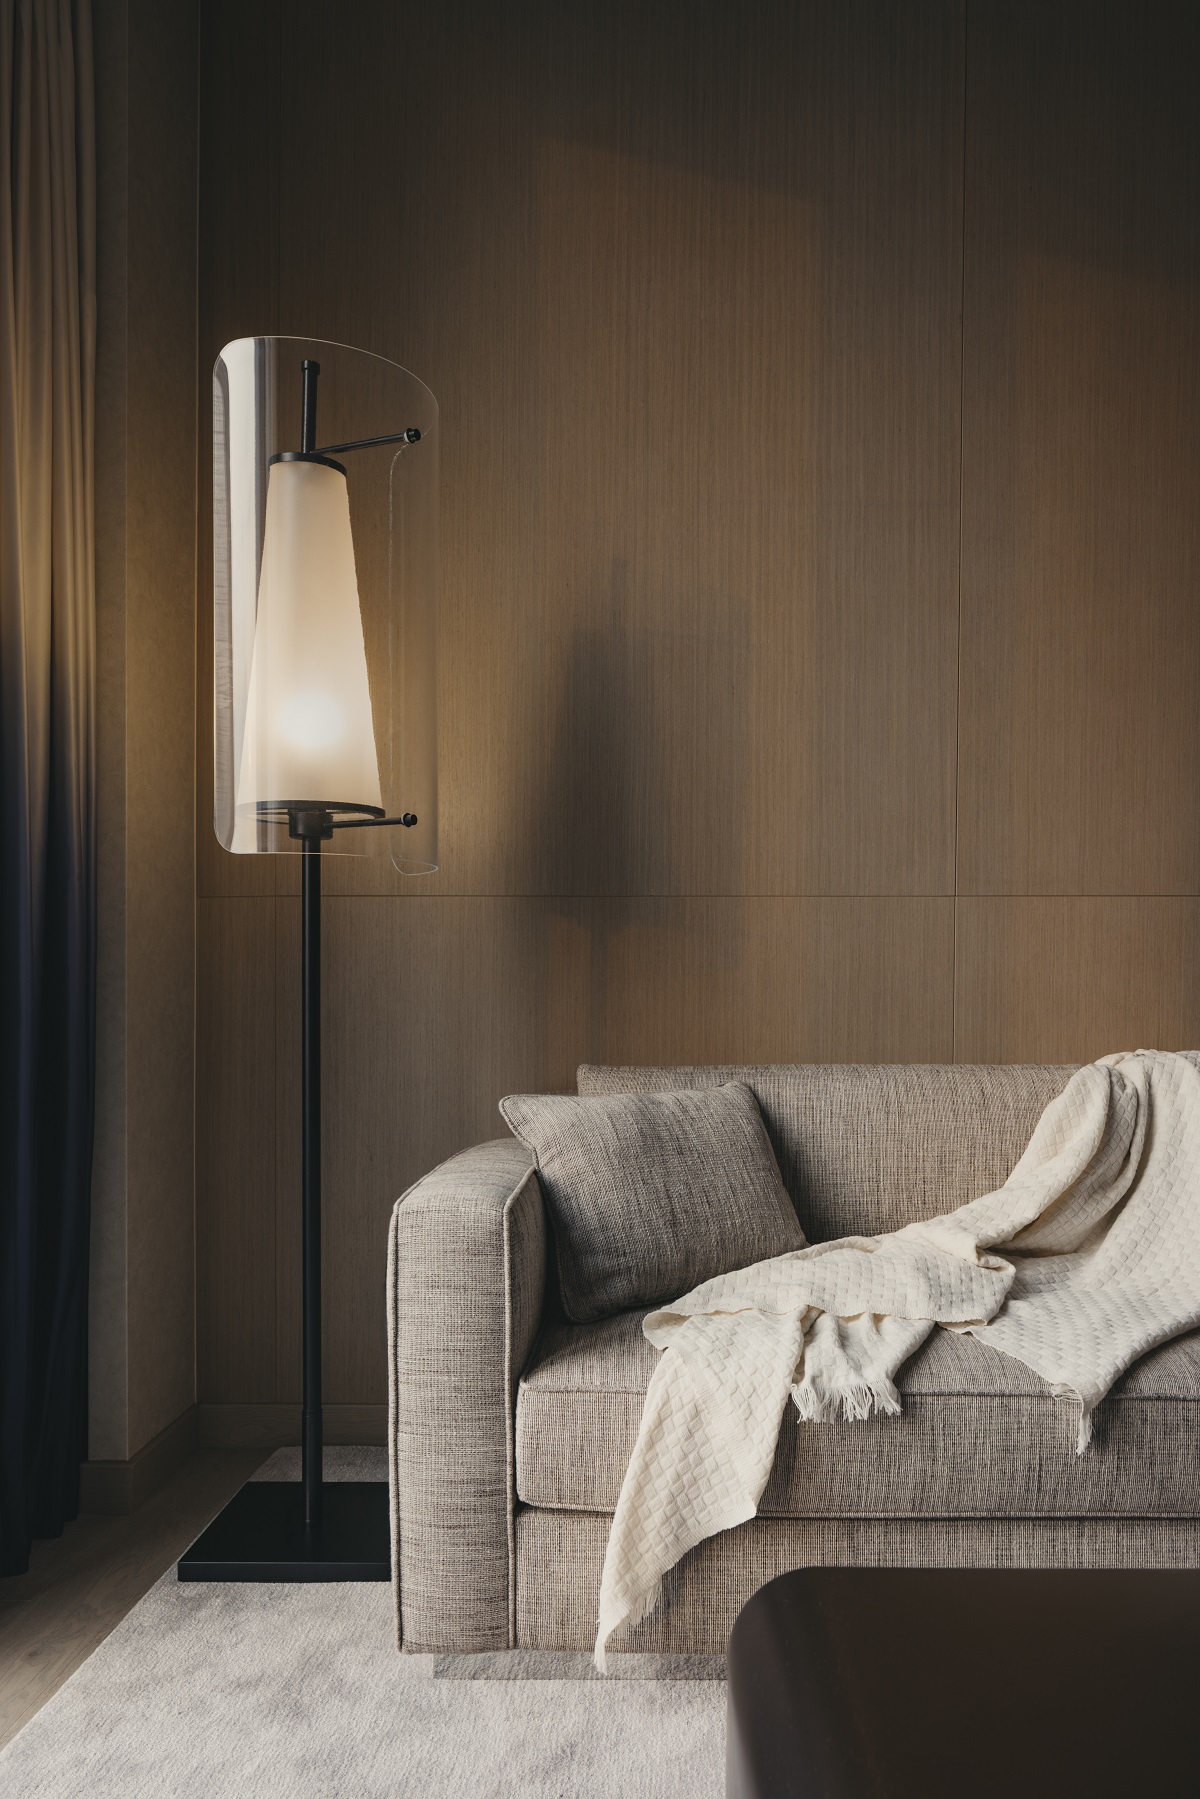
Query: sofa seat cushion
980	1436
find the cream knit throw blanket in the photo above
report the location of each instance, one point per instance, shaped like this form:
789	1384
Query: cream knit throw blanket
1099	1229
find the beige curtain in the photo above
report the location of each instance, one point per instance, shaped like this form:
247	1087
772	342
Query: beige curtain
47	849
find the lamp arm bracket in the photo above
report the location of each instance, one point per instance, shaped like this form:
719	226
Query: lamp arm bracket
411	436
362	824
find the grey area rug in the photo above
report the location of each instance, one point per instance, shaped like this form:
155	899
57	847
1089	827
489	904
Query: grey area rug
290	1691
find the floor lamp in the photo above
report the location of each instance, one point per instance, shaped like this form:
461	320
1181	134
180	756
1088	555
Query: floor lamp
323	666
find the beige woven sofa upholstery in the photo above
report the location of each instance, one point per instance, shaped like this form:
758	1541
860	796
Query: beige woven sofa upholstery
511	1429
466	1279
980	1436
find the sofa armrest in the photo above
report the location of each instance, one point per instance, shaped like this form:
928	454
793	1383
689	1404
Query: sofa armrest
466	1278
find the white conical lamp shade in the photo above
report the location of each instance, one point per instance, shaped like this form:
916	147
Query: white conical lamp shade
309	735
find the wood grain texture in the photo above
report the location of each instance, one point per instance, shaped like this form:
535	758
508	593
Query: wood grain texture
142	1277
160	884
687	289
1080	731
80	1586
1068	980
120	1487
239	297
687	286
235	1150
436	1009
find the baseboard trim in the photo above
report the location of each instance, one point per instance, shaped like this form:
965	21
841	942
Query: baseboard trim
115	1489
275	1426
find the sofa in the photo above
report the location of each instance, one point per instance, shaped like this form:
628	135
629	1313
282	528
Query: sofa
511	1428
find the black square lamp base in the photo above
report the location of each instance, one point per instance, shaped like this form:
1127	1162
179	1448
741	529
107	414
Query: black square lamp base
261	1535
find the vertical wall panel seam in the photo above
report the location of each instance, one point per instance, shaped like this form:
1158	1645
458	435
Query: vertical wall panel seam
962	386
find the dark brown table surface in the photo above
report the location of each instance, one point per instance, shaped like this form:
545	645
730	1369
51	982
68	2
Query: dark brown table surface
872	1683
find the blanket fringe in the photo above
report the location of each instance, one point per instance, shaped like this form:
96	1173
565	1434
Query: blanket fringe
1083	1435
639	1608
853	1403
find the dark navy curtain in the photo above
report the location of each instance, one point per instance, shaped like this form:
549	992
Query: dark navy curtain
47	799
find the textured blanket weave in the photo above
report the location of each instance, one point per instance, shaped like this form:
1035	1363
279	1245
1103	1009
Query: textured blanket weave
1099	1229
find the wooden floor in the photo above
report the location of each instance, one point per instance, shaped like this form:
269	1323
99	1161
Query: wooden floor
80	1586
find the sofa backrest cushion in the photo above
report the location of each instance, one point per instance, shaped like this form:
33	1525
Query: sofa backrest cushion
865	1148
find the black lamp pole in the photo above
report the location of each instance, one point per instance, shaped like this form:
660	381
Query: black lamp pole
311	1431
276	1530
311	1434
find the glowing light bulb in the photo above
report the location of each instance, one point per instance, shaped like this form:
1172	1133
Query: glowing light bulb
312	720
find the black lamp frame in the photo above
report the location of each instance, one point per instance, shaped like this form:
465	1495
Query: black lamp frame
313	1531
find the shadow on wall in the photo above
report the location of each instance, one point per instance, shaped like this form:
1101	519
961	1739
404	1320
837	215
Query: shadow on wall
729	98
648	725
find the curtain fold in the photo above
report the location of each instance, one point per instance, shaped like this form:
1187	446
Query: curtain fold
47	786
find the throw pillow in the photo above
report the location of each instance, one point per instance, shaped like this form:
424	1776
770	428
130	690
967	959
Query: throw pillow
651	1193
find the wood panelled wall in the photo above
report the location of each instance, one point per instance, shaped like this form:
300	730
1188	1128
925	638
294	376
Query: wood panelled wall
820	643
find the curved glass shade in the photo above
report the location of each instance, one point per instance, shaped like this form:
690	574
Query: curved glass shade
324	595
